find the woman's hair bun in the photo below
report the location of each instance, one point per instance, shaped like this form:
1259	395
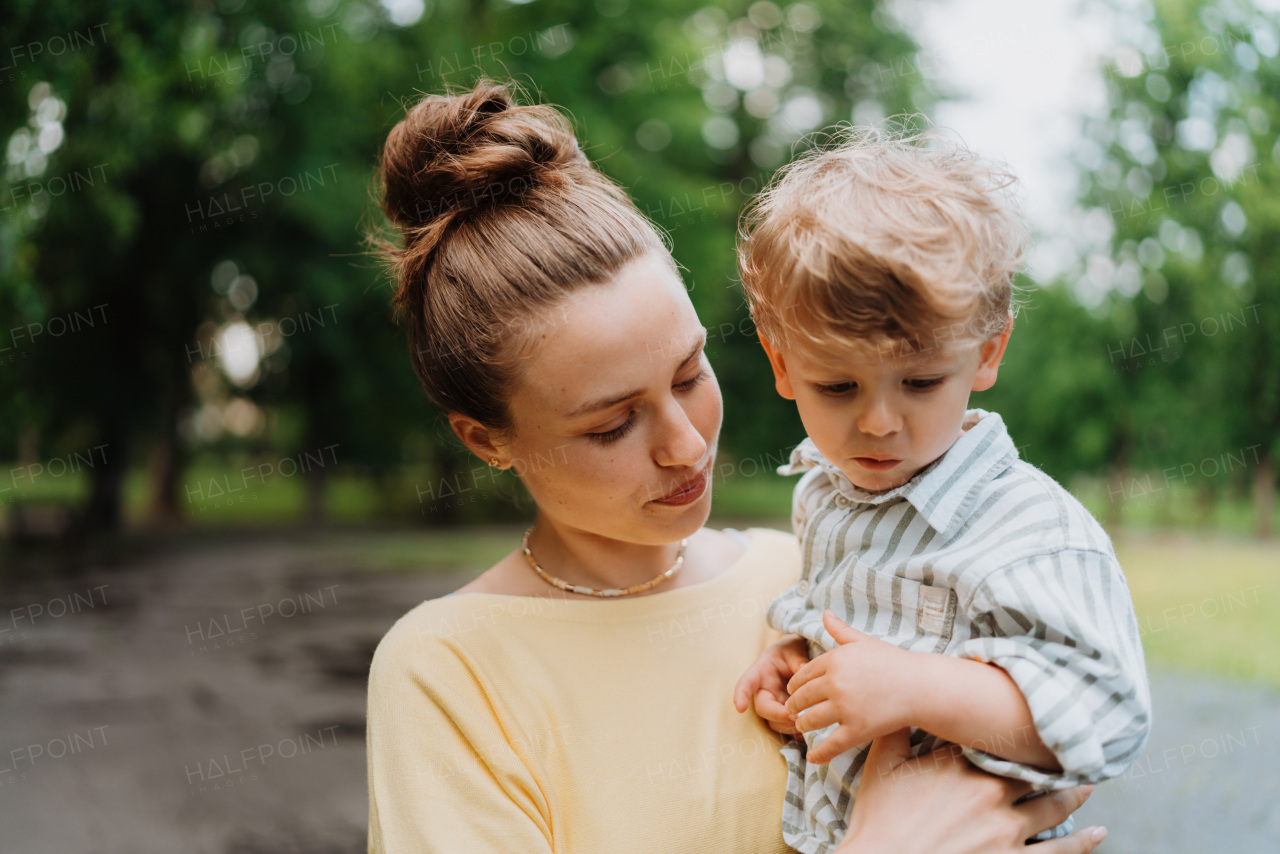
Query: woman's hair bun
502	218
457	154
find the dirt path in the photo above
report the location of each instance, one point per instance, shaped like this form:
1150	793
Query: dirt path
1209	779
209	698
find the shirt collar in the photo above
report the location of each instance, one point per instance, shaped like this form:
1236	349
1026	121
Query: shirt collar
944	491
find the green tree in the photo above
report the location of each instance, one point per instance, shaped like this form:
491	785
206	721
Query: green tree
1184	164
223	157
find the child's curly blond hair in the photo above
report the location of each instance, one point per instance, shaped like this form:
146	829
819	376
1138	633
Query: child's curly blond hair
883	235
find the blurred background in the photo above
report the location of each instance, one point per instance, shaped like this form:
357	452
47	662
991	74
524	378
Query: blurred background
220	482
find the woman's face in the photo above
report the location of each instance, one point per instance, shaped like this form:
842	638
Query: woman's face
617	412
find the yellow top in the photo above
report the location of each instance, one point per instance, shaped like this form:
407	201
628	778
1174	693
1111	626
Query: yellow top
526	725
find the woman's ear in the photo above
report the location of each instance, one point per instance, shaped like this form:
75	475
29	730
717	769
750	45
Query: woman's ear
989	359
780	379
479	439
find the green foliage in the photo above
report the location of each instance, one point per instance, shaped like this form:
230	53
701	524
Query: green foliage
1184	166
1057	390
215	174
232	147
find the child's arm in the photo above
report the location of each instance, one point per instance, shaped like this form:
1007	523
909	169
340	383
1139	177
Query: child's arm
871	688
1061	625
978	705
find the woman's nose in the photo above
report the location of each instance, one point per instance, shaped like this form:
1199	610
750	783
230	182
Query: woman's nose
679	442
879	419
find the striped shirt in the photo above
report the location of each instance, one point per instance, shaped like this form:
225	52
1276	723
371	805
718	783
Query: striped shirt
980	556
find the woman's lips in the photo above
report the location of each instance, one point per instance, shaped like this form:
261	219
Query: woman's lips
873	464
688	492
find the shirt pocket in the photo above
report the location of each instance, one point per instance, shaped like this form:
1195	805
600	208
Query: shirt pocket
910	614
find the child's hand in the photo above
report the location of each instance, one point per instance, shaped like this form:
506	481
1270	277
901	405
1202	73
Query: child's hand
765	682
864	685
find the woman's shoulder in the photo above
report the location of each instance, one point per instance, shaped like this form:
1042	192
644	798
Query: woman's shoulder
421	636
438	628
773	555
768	538
764	541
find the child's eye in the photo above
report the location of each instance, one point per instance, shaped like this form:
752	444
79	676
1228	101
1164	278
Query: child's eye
608	437
924	385
837	389
690	383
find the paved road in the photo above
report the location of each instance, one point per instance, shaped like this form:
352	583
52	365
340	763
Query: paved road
209	698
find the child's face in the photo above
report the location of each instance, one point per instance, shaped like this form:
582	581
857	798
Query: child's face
882	415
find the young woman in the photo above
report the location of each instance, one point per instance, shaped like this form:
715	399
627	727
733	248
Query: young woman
577	696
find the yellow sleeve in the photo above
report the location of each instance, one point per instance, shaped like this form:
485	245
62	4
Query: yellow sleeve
442	778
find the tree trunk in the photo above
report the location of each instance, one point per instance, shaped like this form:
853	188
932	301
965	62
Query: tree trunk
28	445
162	472
1264	493
1117	483
104	510
317	481
1207	500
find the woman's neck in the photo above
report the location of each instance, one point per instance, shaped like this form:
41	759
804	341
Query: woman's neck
591	560
709	554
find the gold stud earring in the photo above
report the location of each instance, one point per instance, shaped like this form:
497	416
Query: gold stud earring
493	461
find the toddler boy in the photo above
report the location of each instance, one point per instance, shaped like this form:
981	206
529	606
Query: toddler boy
984	605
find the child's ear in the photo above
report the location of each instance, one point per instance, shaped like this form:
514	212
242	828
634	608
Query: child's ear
780	379
989	359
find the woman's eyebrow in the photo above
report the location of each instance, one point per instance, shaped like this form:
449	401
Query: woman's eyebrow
614	400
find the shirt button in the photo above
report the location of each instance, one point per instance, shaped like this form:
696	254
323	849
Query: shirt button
843	501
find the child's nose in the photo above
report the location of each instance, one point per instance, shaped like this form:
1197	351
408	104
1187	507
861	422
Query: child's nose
879	419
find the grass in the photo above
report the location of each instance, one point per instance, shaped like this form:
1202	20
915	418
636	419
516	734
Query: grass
1176	507
470	550
217	494
1207	597
1206	603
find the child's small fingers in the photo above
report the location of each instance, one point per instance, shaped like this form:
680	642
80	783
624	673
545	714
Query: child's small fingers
809	671
809	694
768	707
794	658
747	685
839	630
831	747
816	717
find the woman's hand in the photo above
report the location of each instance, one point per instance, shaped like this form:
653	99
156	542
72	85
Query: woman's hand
765	682
940	804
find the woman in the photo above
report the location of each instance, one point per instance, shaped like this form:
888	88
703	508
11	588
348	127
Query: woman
577	696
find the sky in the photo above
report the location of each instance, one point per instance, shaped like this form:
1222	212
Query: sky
1023	74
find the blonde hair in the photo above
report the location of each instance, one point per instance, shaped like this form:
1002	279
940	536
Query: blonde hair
502	217
883	235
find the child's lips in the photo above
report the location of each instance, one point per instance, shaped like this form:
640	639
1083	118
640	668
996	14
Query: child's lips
877	463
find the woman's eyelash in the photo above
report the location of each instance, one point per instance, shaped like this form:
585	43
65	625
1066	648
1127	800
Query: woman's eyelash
608	437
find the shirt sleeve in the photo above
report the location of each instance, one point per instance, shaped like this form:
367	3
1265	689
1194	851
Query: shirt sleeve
1062	626
442	778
